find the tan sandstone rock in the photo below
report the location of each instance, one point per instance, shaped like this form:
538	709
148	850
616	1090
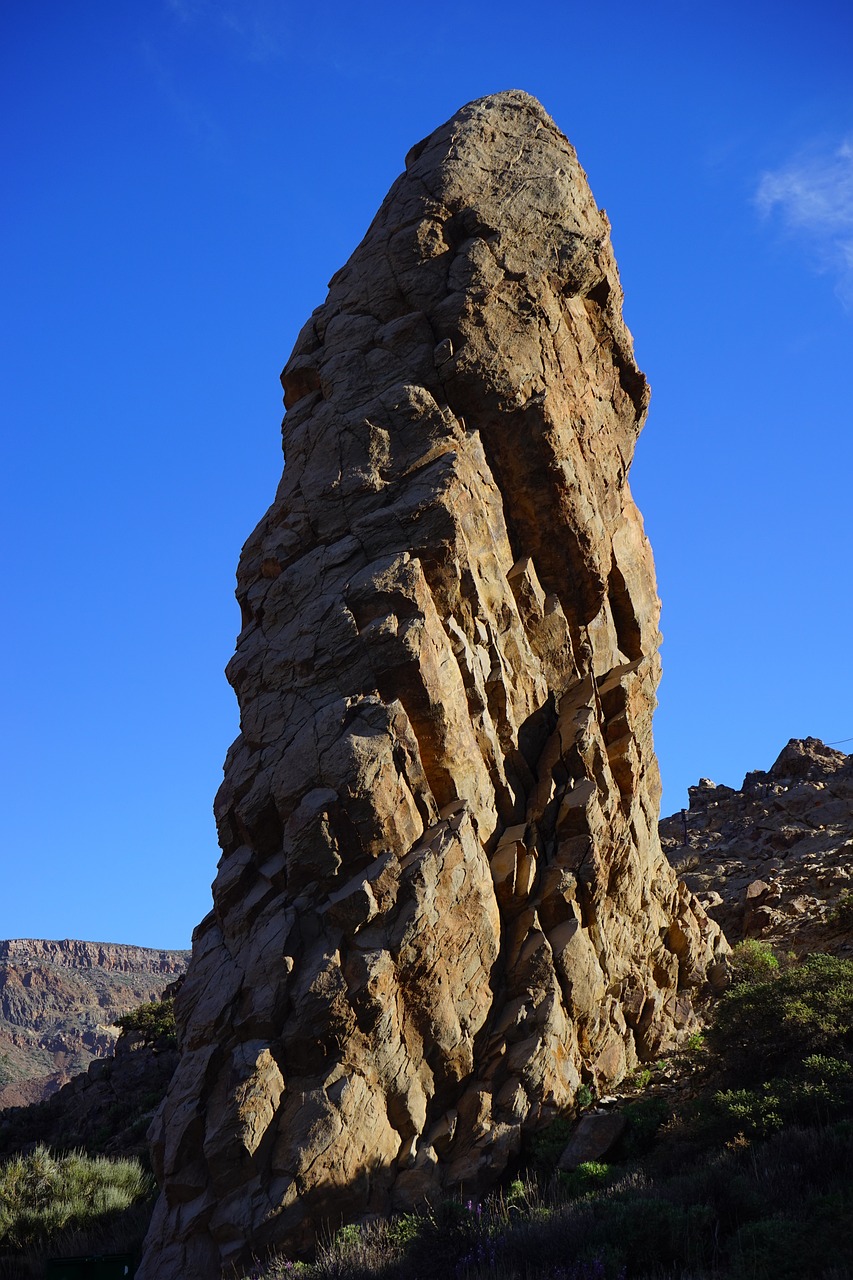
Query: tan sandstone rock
442	901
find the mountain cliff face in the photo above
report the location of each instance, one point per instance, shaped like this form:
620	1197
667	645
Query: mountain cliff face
442	903
774	859
58	1002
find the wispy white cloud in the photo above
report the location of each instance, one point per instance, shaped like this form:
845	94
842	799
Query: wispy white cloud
257	26
813	196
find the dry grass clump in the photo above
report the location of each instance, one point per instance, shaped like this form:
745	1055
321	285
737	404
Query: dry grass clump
69	1204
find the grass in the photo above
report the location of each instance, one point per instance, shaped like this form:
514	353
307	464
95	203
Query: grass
782	1211
69	1204
736	1164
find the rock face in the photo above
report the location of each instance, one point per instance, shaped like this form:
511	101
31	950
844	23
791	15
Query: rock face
442	902
774	859
58	1002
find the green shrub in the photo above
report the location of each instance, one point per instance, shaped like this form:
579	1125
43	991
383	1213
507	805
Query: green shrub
652	1232
819	1066
590	1176
762	1026
645	1118
841	912
817	1090
154	1021
42	1194
403	1230
347	1238
809	1241
584	1097
751	961
548	1145
517	1198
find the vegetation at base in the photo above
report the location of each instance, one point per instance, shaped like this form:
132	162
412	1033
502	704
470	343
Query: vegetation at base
151	1022
746	1173
69	1204
841	913
764	1024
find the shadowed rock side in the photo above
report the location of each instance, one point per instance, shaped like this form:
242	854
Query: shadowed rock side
442	902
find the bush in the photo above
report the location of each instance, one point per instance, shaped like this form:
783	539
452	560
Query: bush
842	911
42	1194
645	1118
652	1231
548	1145
787	1247
817	1090
590	1176
765	1025
752	961
151	1022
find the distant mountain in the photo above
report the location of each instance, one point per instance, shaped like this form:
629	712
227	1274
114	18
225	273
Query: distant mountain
774	859
58	1002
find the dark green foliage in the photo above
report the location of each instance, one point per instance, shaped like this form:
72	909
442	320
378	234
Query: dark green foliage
841	913
584	1097
590	1176
645	1118
751	961
548	1145
68	1205
818	1089
817	1241
153	1022
765	1026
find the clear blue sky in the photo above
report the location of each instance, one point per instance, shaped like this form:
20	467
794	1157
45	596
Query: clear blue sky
182	178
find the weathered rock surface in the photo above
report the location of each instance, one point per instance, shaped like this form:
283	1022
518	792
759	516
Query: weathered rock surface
58	1003
773	859
595	1134
442	901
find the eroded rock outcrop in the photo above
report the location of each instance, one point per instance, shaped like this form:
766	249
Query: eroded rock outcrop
442	902
774	859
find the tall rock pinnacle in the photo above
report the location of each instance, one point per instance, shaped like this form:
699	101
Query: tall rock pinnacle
442	903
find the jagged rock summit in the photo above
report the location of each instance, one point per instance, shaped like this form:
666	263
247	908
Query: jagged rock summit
442	903
774	859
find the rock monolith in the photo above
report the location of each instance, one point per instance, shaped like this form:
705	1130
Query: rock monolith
442	904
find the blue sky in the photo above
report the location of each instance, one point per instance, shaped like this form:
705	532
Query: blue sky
182	179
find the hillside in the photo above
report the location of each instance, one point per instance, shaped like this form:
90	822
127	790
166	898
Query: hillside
774	859
58	1003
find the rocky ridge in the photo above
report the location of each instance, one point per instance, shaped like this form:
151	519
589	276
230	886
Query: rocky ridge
773	859
442	904
58	1003
106	1109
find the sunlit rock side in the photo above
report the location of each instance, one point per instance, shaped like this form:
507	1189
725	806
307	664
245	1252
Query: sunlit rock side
442	902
